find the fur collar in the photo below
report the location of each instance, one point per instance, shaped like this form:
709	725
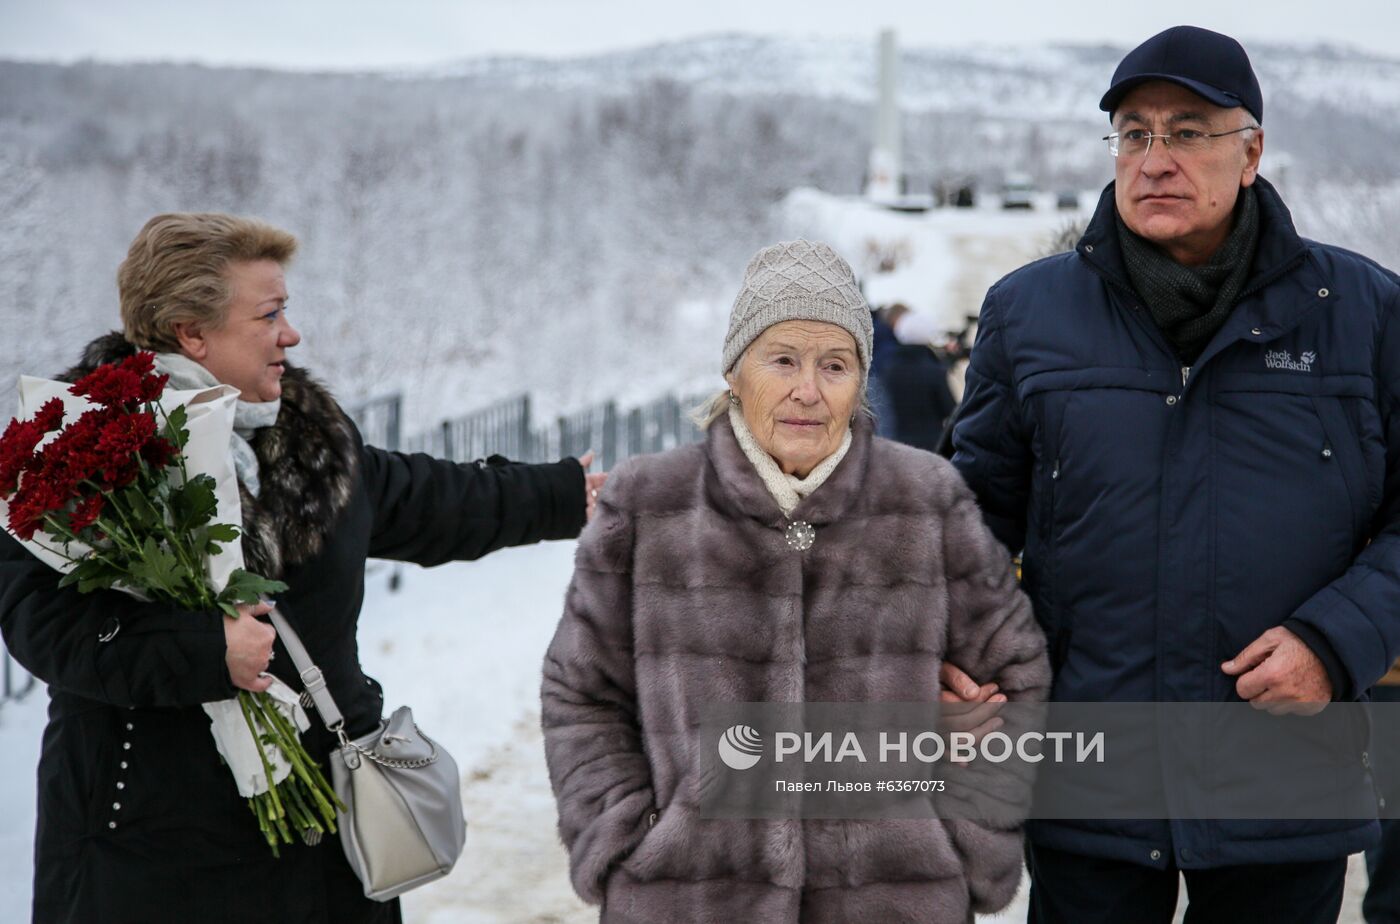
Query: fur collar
307	463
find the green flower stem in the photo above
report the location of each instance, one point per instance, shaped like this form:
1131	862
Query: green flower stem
281	820
307	813
185	555
245	700
296	809
307	768
188	559
257	804
66	536
304	766
112	504
58	531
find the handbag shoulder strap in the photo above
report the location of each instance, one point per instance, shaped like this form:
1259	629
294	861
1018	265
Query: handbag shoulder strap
311	677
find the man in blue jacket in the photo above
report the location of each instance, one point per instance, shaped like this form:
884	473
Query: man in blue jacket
1189	425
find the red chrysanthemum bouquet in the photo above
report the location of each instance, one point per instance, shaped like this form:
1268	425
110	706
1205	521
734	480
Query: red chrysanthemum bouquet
109	500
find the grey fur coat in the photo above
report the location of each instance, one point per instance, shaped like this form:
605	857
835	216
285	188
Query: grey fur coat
685	591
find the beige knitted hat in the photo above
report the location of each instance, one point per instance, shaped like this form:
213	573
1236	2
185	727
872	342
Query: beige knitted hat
797	281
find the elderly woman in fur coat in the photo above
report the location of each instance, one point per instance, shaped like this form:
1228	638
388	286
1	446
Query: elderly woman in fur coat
791	557
138	821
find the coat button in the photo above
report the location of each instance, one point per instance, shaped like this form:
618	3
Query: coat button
126	745
121	785
123	765
1088	248
1326	453
1155	855
1323	293
1256	331
111	824
1186	854
116	806
1171	399
129	726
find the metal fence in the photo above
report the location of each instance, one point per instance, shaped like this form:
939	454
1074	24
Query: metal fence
508	427
380	420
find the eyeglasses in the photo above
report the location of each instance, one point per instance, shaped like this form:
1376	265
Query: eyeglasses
1137	141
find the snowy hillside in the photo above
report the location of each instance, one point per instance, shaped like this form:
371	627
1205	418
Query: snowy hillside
1062	81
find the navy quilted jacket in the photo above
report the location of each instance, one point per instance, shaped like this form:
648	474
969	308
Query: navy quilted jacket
1170	515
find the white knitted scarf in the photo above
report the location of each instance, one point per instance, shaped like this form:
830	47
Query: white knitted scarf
787	490
248	416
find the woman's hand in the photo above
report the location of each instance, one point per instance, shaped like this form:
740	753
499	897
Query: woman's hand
249	647
592	484
966	706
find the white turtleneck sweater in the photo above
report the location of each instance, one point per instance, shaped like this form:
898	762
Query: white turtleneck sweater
787	490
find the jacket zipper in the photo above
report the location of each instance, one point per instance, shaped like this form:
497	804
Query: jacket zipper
1185	374
1061	629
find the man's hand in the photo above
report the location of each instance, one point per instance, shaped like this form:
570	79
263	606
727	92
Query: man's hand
249	647
967	706
592	484
1279	673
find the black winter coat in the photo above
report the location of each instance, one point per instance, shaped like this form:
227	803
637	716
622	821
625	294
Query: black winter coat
138	819
1171	515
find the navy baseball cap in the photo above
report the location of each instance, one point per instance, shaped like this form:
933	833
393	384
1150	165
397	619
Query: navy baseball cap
1211	65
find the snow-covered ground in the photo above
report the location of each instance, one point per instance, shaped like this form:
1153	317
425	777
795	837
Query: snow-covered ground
462	644
21	725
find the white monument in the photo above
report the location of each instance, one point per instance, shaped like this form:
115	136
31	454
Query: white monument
886	168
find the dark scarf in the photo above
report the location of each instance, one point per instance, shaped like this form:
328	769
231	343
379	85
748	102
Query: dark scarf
1190	303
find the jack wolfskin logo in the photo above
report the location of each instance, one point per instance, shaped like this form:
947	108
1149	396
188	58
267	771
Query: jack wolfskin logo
1282	359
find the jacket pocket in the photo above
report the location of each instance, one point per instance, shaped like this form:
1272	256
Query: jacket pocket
1061	623
1341	451
1057	620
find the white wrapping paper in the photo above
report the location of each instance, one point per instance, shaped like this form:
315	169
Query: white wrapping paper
209	421
235	742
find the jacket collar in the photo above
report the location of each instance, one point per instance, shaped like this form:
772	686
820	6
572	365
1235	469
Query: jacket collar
1280	253
734	485
1280	248
307	463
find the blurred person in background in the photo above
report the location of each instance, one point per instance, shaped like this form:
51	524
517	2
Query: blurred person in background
791	557
882	350
1189	425
916	382
138	819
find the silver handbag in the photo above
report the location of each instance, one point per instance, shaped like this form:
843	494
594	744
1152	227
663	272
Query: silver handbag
403	826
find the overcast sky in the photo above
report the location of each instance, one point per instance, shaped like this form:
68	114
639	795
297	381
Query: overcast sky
354	34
